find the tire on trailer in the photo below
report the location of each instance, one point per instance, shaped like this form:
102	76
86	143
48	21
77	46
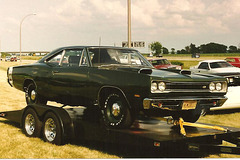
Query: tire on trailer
31	124
52	129
32	97
115	111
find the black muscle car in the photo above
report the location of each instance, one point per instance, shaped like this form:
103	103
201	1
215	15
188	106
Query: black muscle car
120	81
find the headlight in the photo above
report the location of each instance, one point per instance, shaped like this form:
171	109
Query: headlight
154	86
10	69
219	86
179	67
212	86
158	87
161	86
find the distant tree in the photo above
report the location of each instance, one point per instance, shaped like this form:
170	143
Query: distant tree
172	50
187	50
232	49
193	49
165	50
183	51
156	47
213	48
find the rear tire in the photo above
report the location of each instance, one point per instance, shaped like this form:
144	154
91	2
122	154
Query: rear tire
32	97
52	130
31	123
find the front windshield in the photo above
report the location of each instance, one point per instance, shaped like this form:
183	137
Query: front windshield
108	56
220	65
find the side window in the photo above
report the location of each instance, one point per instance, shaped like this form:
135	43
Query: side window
56	59
84	59
72	57
203	65
230	59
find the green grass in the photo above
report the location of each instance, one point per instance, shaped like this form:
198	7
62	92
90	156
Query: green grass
205	55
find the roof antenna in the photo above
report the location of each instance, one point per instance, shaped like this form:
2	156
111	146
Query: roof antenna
100	39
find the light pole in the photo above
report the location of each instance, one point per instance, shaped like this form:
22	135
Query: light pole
32	14
129	23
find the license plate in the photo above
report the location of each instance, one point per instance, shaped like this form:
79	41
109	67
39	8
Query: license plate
189	105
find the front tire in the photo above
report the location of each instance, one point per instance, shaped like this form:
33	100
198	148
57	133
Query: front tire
116	113
32	97
31	123
52	130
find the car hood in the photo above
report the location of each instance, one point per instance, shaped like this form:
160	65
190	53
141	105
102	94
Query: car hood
166	74
183	76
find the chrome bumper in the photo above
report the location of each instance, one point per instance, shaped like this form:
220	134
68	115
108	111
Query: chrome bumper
176	103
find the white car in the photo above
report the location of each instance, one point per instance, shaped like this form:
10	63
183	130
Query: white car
220	68
7	58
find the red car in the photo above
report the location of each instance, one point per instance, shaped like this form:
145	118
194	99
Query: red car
161	63
13	59
233	61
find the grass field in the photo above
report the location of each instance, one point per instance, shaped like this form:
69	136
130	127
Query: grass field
14	144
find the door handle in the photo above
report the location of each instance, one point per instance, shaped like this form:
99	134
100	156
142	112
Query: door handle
53	72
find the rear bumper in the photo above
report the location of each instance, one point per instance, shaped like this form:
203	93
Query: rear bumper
177	103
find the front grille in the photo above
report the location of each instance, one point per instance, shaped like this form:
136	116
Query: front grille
188	86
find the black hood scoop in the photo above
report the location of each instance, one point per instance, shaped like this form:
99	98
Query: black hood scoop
145	71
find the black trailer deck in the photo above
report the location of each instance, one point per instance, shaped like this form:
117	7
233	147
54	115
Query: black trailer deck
84	125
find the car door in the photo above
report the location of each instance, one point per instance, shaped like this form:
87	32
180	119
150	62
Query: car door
69	78
203	68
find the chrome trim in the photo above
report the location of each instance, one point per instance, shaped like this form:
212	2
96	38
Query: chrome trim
147	102
202	87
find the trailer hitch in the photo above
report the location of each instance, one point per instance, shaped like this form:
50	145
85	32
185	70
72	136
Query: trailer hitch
181	123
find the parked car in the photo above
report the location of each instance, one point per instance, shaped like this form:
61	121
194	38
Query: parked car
7	58
162	63
220	68
13	59
233	61
101	77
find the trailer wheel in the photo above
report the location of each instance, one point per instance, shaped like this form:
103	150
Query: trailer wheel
31	123
116	112
32	97
52	129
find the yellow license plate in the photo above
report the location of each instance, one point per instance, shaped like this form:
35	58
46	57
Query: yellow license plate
189	105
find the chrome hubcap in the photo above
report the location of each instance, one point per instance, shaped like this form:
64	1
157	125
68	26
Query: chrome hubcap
116	109
33	95
30	124
50	129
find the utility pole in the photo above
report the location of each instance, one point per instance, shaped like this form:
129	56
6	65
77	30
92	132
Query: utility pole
0	51
129	23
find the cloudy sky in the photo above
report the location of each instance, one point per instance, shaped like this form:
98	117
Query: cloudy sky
174	23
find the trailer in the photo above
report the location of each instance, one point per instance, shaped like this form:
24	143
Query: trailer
61	125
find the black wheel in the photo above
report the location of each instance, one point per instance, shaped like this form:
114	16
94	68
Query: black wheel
32	97
116	111
52	130
188	115
31	123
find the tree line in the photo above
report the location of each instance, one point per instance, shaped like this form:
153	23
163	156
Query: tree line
212	47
